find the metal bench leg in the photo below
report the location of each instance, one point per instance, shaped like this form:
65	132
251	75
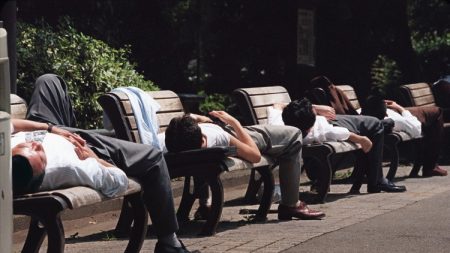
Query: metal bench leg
140	224
418	161
55	233
254	184
187	200
216	206
35	237
323	179
266	200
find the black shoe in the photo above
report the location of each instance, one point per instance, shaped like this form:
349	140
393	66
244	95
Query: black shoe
202	213
164	248
386	187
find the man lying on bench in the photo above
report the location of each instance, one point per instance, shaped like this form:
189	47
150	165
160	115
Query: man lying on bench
55	158
282	143
302	114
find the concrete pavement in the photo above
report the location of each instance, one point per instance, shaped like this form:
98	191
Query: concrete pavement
415	221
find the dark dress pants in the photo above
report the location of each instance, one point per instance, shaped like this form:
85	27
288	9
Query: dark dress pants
373	129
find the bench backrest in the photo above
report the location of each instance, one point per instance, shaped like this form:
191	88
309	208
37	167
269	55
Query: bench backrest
124	122
417	94
253	102
351	95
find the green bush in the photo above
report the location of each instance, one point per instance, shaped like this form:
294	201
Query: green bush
89	66
433	51
385	75
214	102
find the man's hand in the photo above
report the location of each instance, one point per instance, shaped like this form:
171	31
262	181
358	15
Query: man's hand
279	106
394	106
83	151
201	118
74	138
327	111
224	117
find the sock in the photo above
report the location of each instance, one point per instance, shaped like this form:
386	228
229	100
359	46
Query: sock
171	240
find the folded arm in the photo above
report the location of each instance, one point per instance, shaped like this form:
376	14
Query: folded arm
246	147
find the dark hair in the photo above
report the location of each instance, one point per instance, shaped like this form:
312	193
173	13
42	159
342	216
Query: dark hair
183	133
300	114
22	176
374	106
321	82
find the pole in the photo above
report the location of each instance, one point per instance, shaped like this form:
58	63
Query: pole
5	149
8	14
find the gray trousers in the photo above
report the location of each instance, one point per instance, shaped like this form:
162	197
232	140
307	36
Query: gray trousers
50	103
283	144
372	128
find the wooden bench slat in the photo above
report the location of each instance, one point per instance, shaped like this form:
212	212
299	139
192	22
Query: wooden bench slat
424	101
265	90
415	86
264	100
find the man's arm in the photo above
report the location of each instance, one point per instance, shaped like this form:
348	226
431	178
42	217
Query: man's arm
394	106
327	111
365	142
20	125
246	147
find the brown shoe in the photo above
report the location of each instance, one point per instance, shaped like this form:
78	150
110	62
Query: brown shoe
437	171
302	212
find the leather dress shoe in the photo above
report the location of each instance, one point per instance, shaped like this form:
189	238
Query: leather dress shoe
386	187
164	248
437	171
302	212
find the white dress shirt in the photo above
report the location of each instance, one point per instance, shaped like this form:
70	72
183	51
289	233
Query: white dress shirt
65	169
321	131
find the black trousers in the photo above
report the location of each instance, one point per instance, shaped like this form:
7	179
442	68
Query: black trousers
373	129
50	103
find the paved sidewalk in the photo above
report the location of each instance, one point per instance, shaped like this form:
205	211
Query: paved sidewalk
237	234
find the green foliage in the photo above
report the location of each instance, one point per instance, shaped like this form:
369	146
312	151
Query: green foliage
213	102
430	36
385	74
89	66
433	51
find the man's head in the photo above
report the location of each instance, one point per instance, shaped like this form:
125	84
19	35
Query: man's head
28	167
374	106
300	114
183	133
321	82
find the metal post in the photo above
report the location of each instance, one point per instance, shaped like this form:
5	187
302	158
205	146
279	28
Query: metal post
8	14
5	150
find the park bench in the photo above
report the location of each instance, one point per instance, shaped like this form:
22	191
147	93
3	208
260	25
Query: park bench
420	94
391	141
253	103
45	207
207	163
